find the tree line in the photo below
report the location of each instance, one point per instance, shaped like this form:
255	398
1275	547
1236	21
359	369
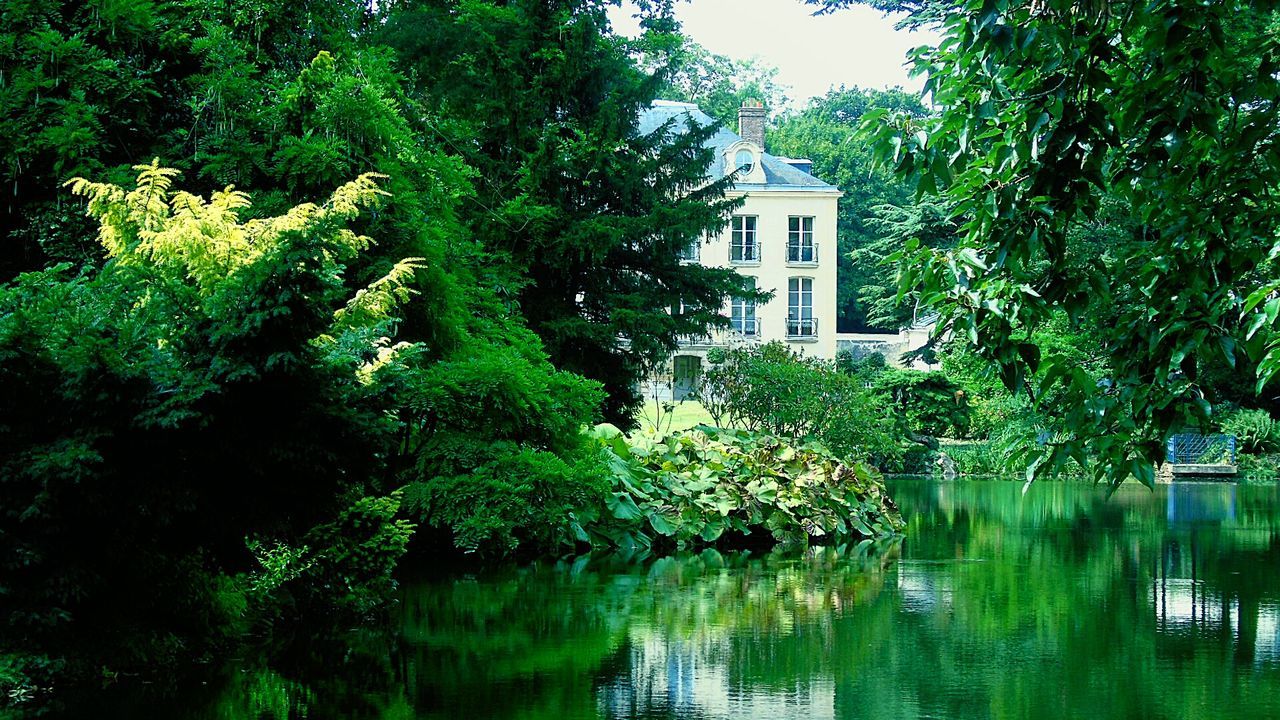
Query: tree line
347	270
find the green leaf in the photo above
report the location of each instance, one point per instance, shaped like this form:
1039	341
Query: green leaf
622	506
662	525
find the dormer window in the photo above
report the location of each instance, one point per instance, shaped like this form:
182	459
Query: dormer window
745	162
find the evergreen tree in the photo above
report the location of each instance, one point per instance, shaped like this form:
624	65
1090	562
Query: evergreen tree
584	216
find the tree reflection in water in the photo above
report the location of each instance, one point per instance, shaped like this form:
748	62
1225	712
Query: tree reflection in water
1058	604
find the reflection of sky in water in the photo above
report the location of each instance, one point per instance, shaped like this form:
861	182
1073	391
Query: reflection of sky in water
922	588
688	680
1186	605
1267	647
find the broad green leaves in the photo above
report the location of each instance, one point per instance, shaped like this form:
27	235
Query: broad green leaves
692	487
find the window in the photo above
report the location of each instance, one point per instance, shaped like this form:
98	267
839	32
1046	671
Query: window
800	245
745	161
743	247
742	315
692	251
800	320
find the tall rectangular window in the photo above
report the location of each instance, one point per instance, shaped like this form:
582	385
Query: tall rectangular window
743	247
800	320
800	245
742	315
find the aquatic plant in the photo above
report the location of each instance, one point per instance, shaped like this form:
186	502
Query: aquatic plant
709	485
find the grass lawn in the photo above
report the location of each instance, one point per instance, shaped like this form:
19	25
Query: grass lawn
687	414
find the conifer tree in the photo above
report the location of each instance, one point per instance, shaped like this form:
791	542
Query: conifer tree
585	216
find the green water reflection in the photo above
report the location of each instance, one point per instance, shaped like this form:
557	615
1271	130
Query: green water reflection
1057	604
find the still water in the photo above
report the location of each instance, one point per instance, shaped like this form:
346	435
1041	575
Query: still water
1060	603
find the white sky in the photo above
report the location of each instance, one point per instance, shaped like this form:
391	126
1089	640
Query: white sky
855	46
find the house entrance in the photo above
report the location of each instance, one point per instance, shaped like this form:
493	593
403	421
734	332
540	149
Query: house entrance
686	371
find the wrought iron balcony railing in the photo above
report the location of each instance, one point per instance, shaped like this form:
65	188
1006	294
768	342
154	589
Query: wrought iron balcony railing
745	327
802	254
745	254
802	328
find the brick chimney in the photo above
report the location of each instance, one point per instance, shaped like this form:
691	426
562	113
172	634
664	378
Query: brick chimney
751	122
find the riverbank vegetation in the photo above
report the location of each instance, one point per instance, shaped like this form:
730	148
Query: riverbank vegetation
709	485
368	284
1112	165
356	280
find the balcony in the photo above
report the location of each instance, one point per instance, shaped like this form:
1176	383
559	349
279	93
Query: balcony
802	329
748	328
703	340
804	254
744	254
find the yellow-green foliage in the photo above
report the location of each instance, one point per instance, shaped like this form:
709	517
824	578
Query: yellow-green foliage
214	380
206	240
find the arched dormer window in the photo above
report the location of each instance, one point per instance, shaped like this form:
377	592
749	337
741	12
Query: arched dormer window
743	158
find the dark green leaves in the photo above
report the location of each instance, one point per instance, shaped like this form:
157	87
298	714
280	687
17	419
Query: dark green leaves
1105	162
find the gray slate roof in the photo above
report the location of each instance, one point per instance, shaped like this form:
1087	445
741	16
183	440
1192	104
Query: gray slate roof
778	174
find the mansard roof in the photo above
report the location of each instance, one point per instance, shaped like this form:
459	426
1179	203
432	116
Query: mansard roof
779	175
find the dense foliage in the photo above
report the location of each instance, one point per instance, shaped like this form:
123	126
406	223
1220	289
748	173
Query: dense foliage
583	217
213	381
1051	115
926	403
772	389
1255	431
237	410
707	485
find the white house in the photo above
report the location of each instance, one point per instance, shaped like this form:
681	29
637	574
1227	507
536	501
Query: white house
783	237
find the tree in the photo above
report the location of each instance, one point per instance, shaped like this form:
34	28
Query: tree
1048	110
771	389
718	84
928	224
213	381
583	217
916	13
90	90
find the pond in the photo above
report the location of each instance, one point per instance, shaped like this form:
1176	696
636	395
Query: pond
1060	603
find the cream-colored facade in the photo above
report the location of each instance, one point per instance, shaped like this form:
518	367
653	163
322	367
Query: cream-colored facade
783	236
798	267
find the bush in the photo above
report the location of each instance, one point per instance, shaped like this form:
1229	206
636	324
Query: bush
1260	468
219	379
773	390
1255	431
929	403
699	486
518	500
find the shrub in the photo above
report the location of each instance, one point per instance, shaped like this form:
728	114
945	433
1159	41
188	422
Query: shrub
696	486
928	403
773	390
1255	431
519	499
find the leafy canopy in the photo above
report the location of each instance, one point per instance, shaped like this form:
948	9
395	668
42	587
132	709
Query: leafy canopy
1049	110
